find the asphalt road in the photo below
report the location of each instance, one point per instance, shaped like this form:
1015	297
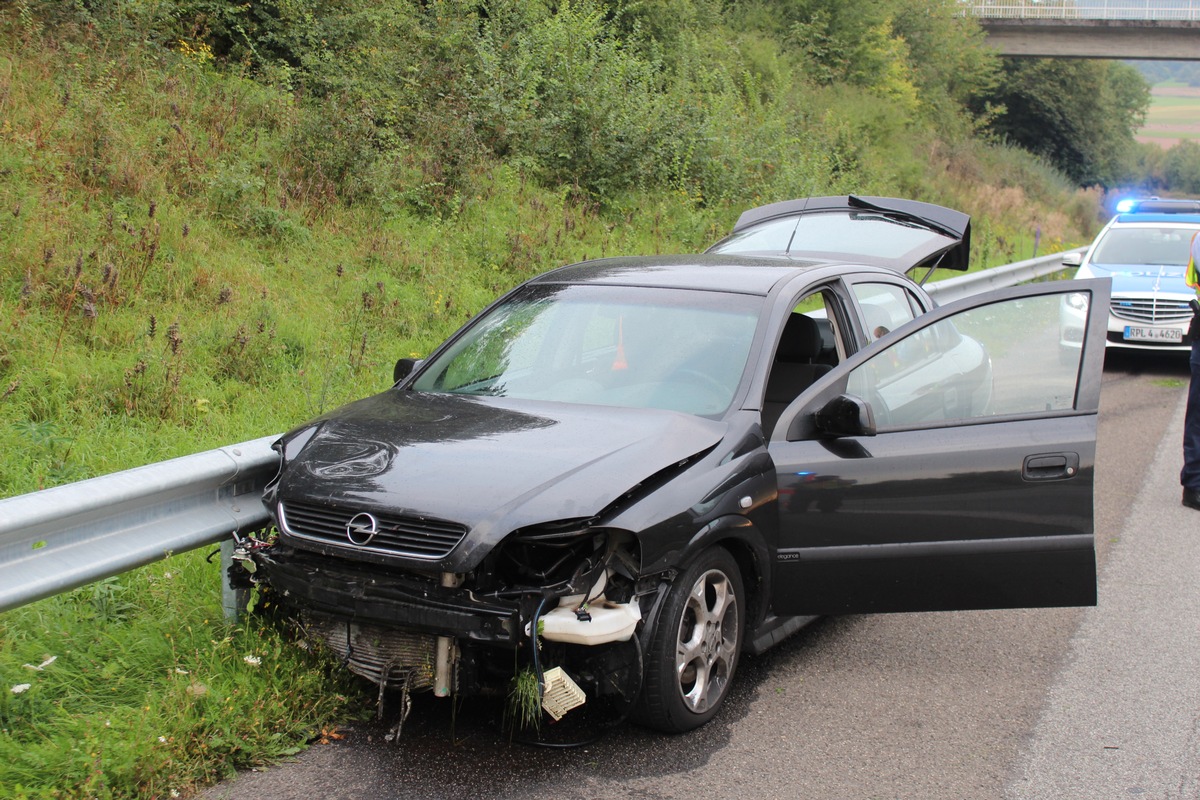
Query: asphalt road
1062	704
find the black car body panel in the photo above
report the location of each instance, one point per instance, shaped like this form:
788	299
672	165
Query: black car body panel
936	520
735	442
984	508
508	466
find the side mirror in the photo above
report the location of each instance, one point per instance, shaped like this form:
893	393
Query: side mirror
404	368
845	415
1072	259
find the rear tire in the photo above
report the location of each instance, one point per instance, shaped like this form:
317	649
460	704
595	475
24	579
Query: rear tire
694	648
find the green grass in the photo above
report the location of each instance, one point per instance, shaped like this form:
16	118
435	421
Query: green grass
134	687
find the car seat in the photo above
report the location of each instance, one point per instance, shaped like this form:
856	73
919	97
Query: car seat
794	369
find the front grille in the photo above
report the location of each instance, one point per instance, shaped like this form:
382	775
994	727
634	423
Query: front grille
1150	310
410	537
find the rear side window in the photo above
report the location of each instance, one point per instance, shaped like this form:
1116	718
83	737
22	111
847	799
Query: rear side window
885	307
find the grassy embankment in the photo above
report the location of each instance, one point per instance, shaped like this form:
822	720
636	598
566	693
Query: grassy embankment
169	284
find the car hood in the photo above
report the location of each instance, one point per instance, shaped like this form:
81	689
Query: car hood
490	464
1127	278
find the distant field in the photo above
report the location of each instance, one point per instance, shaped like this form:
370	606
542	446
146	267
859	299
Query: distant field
1174	115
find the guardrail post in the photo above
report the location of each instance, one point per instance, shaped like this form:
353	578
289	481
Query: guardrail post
233	600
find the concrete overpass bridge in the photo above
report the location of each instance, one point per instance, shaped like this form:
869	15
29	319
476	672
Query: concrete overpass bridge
1159	30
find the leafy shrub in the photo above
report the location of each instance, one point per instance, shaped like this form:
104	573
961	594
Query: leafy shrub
1181	167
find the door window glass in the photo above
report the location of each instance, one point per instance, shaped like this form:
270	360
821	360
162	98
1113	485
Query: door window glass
994	360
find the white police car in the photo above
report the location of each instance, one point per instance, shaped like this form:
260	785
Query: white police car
1144	249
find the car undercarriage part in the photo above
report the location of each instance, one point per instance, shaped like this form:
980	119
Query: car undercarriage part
560	694
445	646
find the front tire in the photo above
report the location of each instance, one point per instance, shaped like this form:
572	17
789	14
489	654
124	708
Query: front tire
694	649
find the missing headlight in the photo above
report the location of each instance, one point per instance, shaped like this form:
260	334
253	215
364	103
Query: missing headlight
551	557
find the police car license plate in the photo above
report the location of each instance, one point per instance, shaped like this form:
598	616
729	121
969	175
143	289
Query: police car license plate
1169	335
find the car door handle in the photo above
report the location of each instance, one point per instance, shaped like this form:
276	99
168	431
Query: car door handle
1050	466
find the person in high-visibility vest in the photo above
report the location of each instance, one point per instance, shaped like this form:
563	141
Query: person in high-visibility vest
1190	475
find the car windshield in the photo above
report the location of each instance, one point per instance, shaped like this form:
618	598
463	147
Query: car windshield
627	346
1163	246
858	234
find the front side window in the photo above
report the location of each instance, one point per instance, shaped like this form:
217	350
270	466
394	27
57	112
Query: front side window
608	345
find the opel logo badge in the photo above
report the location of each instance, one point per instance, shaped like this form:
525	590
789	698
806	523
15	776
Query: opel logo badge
362	529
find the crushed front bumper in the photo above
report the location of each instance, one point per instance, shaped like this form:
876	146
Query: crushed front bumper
365	594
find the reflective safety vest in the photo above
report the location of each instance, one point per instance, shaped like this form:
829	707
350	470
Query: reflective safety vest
1191	276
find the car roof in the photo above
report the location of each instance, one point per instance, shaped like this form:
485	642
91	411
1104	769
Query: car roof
1157	210
1157	219
721	273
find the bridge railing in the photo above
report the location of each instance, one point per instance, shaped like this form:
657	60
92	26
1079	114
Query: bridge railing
68	536
1129	10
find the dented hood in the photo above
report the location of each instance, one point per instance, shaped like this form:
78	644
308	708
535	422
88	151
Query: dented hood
490	464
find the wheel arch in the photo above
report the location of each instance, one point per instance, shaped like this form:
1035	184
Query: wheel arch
745	542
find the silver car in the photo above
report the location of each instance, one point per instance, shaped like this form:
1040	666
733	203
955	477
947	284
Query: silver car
1144	249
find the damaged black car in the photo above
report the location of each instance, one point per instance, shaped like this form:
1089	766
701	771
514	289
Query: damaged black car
626	473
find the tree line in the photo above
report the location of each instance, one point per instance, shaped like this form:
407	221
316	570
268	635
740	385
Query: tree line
715	98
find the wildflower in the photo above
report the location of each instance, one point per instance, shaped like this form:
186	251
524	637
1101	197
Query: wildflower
21	687
179	671
253	661
43	665
162	740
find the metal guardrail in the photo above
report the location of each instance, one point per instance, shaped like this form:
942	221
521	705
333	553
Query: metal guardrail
1126	10
68	536
951	289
